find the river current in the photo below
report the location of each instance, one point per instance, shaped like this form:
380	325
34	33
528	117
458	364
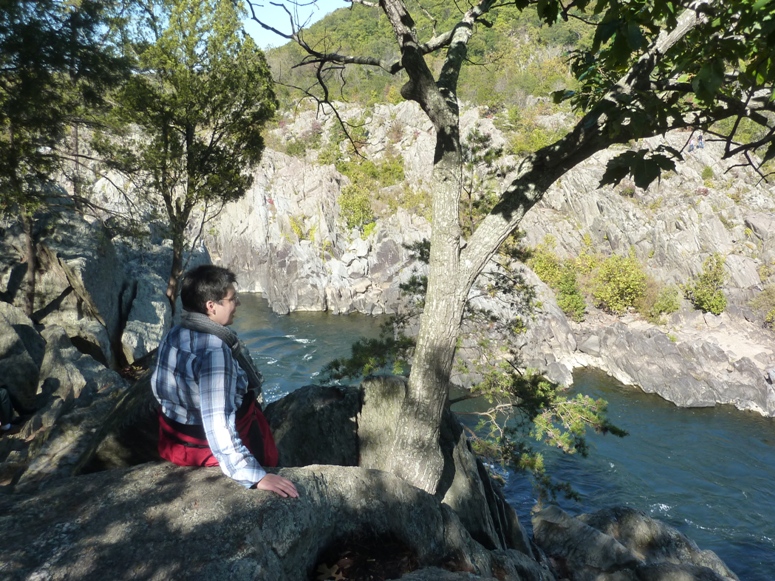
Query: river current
708	472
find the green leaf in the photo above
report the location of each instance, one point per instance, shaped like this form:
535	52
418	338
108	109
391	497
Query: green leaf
708	81
620	49
634	36
562	95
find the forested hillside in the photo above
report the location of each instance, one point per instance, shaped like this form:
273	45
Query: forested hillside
513	61
516	64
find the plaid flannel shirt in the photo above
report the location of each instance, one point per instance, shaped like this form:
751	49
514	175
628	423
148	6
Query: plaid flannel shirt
198	381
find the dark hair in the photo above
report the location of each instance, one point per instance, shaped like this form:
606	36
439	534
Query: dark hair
205	283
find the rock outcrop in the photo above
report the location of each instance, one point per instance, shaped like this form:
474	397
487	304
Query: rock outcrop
74	395
22	350
694	360
622	544
159	521
282	239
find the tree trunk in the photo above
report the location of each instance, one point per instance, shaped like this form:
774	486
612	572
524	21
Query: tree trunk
176	269
416	456
32	263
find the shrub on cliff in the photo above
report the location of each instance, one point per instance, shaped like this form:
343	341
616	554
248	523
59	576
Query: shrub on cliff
705	290
658	300
764	302
618	283
560	276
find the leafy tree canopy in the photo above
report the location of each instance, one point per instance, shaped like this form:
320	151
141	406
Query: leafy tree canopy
53	65
193	112
52	61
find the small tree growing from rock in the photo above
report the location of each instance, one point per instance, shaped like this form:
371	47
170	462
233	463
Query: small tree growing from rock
188	124
524	406
705	291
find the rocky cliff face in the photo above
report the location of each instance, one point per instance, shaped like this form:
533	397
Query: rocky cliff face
286	239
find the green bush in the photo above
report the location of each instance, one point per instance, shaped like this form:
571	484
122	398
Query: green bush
627	189
416	202
705	290
355	206
561	276
296	148
569	297
368	229
545	263
618	283
764	302
297	225
658	300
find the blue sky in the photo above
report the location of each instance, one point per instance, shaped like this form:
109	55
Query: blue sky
303	10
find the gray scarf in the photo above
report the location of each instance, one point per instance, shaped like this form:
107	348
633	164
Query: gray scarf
203	324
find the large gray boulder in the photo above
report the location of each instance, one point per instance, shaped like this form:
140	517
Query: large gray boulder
22	351
149	317
77	394
159	521
690	374
316	425
82	284
622	544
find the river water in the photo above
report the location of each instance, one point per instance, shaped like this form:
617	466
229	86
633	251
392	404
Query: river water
708	472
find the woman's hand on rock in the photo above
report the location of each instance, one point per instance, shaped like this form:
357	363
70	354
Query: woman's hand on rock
279	485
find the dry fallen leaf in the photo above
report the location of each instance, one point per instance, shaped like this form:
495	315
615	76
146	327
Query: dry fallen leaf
326	573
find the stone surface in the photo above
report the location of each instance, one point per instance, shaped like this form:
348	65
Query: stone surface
21	354
159	521
316	425
653	541
83	282
149	317
77	394
622	544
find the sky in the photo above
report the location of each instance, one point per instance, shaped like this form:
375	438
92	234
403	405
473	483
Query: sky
308	11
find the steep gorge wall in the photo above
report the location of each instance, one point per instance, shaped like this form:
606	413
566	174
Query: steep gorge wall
286	239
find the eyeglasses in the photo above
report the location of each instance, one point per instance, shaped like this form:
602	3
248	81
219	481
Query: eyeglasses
234	299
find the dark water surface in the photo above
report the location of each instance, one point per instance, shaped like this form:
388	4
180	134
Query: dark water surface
708	472
290	350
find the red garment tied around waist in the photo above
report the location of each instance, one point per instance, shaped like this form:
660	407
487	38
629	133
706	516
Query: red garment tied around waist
186	445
